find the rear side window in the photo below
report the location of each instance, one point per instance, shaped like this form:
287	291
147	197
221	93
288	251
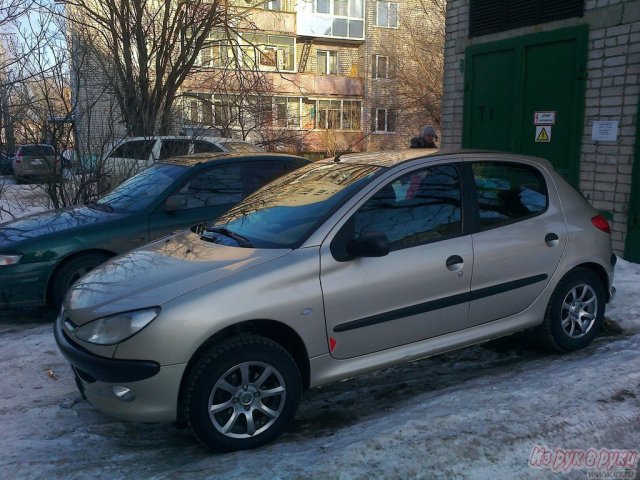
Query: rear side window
36	150
200	146
135	149
221	185
508	192
174	148
258	174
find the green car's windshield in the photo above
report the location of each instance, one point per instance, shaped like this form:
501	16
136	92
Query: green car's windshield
141	190
283	213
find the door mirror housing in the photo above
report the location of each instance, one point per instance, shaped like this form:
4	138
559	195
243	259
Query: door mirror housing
175	202
372	244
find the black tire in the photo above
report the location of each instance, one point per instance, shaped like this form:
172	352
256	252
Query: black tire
575	312
218	378
71	271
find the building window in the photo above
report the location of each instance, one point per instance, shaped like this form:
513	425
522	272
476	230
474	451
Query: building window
383	120
268	52
383	66
387	14
327	62
198	108
332	18
322	114
273	5
288	112
351	115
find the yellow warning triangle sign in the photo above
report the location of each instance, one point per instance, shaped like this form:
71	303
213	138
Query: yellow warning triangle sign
543	136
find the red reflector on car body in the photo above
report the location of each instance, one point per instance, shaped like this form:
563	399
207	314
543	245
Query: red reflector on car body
601	223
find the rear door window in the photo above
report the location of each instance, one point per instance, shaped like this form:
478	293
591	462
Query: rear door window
508	192
37	150
174	148
258	174
135	149
200	146
220	185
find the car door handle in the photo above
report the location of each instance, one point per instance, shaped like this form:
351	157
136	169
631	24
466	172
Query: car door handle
551	239
455	263
137	240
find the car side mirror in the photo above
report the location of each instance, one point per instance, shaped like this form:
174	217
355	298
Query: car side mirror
175	202
372	244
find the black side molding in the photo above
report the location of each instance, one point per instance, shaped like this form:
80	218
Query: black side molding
439	304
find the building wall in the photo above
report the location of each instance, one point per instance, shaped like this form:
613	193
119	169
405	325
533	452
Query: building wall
612	93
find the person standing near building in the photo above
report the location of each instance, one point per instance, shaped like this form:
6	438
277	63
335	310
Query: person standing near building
426	140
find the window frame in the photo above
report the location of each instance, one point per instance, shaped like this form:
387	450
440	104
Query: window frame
473	194
376	21
374	121
327	62
458	167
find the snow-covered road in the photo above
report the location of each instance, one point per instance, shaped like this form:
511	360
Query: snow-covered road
474	413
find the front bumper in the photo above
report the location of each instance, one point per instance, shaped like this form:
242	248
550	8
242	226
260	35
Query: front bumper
24	285
155	388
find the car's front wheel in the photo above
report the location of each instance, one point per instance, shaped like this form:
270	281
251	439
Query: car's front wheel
575	312
73	270
242	393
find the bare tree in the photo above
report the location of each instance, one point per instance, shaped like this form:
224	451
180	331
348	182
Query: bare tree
420	65
146	50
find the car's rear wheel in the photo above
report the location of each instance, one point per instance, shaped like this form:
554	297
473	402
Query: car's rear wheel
71	271
575	312
242	393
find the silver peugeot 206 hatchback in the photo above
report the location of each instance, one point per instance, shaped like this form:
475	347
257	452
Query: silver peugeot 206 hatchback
339	268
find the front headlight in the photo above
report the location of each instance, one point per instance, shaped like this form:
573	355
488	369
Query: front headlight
116	328
9	259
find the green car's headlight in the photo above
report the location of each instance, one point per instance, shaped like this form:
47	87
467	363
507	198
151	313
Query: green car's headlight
116	328
9	259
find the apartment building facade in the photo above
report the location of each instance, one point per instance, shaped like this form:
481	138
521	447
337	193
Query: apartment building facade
319	78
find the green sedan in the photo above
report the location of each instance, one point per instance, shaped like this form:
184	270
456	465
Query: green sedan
43	254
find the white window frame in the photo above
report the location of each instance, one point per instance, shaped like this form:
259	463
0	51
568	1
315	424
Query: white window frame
327	61
386	121
376	67
388	8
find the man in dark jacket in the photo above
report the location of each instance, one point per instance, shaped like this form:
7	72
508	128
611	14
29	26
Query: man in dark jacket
426	140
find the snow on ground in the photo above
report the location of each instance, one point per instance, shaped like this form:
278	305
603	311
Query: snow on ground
475	413
20	200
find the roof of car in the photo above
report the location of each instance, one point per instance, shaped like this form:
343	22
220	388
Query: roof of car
389	158
207	157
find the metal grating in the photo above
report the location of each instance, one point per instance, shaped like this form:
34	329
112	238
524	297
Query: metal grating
492	16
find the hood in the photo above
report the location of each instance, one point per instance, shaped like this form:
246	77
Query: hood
157	273
50	223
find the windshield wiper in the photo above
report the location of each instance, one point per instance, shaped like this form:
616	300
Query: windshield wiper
239	239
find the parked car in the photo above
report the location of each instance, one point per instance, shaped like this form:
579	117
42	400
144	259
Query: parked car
338	269
133	154
43	254
35	162
6	167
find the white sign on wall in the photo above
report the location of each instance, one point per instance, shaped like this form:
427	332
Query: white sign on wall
543	134
544	118
604	131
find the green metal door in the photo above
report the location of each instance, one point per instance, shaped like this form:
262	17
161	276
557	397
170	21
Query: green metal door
632	245
509	81
494	80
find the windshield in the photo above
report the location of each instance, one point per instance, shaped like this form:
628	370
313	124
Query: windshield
141	190
283	213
